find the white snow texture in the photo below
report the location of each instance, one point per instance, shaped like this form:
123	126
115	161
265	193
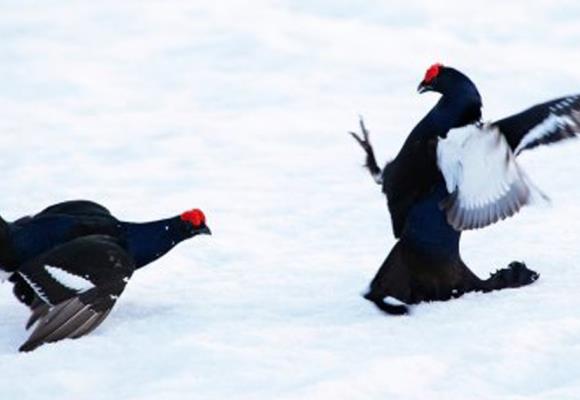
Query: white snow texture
242	109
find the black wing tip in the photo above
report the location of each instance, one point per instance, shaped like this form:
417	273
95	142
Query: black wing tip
37	313
29	345
518	126
84	329
70	319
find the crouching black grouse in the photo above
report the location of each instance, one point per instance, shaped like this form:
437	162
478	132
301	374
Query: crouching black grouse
456	173
70	262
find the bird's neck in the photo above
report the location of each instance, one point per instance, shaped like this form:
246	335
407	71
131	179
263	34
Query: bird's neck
150	240
451	111
460	109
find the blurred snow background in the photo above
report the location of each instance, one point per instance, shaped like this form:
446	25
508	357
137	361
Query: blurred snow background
241	108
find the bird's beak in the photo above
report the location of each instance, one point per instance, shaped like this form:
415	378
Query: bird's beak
424	87
205	230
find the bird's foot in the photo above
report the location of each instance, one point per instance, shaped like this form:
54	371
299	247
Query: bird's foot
515	275
364	142
391	309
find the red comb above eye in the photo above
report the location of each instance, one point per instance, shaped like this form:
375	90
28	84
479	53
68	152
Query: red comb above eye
432	72
195	217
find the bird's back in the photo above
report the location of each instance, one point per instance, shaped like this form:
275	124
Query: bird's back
31	236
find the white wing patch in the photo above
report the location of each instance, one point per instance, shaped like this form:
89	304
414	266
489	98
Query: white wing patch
547	127
563	121
481	174
37	288
72	281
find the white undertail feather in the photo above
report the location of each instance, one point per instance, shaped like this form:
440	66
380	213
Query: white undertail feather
482	176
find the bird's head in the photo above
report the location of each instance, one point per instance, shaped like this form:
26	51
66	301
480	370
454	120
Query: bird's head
431	81
194	222
447	81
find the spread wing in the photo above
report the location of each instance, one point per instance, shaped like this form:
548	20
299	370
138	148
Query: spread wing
78	284
75	317
481	174
544	123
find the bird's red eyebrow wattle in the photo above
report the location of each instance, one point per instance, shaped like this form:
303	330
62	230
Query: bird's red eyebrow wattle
195	217
432	72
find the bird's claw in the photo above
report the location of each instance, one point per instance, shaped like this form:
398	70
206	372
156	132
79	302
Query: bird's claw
364	140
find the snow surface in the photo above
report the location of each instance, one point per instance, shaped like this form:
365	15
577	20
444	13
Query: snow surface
241	108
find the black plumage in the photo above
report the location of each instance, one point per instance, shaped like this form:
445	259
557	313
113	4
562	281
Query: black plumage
70	262
453	173
563	112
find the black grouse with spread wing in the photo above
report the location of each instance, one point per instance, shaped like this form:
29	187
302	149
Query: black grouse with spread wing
452	174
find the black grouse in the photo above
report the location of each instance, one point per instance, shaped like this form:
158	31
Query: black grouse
454	173
70	262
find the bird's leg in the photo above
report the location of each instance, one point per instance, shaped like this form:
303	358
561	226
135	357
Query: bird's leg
371	162
392	280
515	275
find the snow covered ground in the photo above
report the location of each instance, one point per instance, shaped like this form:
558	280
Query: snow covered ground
241	108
